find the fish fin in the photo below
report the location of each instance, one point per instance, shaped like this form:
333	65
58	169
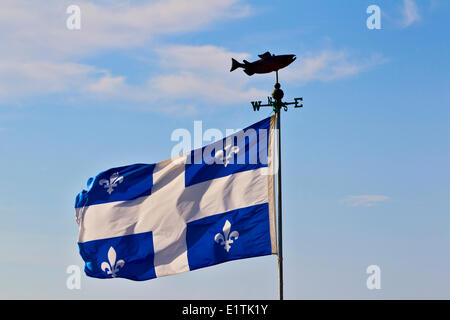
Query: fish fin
249	72
235	64
265	55
246	62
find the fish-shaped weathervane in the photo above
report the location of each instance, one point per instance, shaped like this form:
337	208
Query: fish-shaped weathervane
268	63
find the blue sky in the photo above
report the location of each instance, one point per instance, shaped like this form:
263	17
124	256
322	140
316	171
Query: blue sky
365	162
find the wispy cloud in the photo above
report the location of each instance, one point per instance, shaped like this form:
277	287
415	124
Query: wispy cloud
41	56
364	200
329	65
107	84
184	72
28	78
410	13
38	28
202	72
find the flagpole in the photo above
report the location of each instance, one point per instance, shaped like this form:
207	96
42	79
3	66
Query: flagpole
280	229
276	103
277	95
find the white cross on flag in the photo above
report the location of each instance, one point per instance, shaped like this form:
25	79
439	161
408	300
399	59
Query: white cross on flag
211	205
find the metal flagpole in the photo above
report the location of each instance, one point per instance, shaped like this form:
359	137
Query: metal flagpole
280	224
277	95
277	104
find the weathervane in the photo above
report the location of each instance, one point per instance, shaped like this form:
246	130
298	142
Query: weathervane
270	63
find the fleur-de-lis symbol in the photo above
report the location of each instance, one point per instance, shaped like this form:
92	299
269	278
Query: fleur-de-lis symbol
229	150
226	238
112	182
112	267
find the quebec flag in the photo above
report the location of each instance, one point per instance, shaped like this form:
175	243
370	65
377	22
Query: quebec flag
208	206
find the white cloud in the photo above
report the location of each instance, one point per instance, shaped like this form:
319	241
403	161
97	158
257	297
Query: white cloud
39	27
410	13
328	65
364	200
203	72
39	54
204	58
185	72
27	78
199	73
107	84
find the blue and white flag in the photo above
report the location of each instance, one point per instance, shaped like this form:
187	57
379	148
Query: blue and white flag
211	205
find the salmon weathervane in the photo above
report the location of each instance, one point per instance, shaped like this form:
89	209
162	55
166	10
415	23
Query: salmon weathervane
268	63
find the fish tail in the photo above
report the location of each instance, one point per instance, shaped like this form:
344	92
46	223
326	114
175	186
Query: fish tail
235	64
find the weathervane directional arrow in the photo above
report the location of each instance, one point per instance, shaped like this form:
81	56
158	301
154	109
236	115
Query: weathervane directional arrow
269	63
